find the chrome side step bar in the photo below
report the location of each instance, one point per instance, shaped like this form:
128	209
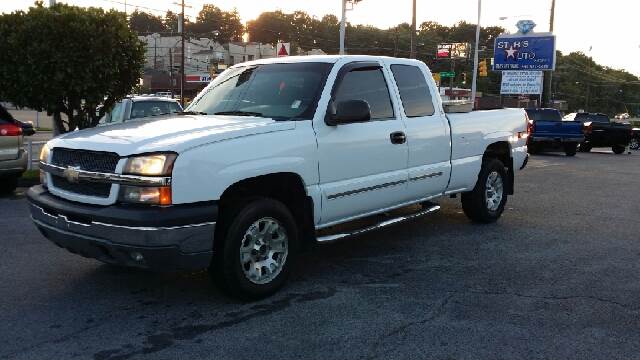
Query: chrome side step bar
428	209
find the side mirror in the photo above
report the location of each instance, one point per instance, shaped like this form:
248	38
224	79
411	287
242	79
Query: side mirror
349	111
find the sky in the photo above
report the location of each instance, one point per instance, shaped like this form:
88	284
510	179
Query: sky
605	30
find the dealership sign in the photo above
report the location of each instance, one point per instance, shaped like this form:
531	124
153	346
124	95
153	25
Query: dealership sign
521	82
204	78
531	51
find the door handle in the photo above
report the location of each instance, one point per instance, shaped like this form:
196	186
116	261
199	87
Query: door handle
398	137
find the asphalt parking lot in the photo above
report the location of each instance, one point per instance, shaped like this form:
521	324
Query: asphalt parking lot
558	277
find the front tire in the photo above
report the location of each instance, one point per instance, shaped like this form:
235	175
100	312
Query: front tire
584	147
570	149
486	202
634	144
260	243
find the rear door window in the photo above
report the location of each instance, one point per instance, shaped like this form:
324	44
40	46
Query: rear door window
414	91
369	85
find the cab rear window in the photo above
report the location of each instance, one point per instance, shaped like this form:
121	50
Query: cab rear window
544	115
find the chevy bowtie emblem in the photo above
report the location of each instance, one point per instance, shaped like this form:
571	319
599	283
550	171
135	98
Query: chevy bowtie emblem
71	173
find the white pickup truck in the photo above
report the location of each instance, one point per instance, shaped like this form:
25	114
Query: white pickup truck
267	159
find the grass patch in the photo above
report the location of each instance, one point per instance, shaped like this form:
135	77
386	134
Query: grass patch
31	175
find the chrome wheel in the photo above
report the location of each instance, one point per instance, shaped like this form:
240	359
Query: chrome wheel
263	250
494	191
634	144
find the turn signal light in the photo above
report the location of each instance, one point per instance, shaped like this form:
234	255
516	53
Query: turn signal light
160	195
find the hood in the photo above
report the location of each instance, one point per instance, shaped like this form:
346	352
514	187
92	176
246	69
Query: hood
174	133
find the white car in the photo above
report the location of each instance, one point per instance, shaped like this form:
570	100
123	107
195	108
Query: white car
138	107
266	160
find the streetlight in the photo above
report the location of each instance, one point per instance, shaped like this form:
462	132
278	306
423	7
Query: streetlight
343	21
475	57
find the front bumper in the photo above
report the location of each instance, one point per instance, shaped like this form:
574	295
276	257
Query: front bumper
178	237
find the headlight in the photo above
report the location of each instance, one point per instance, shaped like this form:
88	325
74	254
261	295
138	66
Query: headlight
44	153
150	165
160	195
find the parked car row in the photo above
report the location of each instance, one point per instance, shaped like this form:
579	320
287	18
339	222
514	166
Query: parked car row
577	131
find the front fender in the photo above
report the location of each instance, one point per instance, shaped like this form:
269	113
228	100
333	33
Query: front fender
205	172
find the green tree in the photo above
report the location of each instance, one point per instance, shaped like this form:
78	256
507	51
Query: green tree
171	21
142	22
213	19
270	27
68	60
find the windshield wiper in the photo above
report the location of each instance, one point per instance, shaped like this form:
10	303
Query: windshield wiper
192	113
238	113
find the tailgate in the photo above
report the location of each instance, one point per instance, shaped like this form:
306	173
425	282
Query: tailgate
616	133
558	129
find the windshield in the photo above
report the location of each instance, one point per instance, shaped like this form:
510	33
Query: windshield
544	115
279	91
142	109
115	115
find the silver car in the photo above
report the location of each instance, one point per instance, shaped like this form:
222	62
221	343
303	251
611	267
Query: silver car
138	107
13	158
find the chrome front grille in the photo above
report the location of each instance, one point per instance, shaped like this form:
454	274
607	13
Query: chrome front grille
82	187
98	161
87	160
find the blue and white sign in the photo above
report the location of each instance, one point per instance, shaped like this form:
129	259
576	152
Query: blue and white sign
521	82
525	52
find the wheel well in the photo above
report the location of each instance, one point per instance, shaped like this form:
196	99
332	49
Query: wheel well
287	188
502	151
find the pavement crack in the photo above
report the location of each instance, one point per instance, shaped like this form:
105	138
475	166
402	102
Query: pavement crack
435	312
548	297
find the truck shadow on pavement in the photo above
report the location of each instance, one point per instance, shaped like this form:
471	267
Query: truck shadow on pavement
172	308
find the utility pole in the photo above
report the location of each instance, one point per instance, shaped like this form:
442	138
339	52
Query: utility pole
182	57
549	74
171	71
342	25
395	43
412	53
474	87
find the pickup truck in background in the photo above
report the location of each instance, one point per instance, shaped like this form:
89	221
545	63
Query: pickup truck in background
548	131
600	131
268	158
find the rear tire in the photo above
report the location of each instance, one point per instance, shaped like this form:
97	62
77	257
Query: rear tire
260	244
485	203
8	184
570	149
634	144
617	149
